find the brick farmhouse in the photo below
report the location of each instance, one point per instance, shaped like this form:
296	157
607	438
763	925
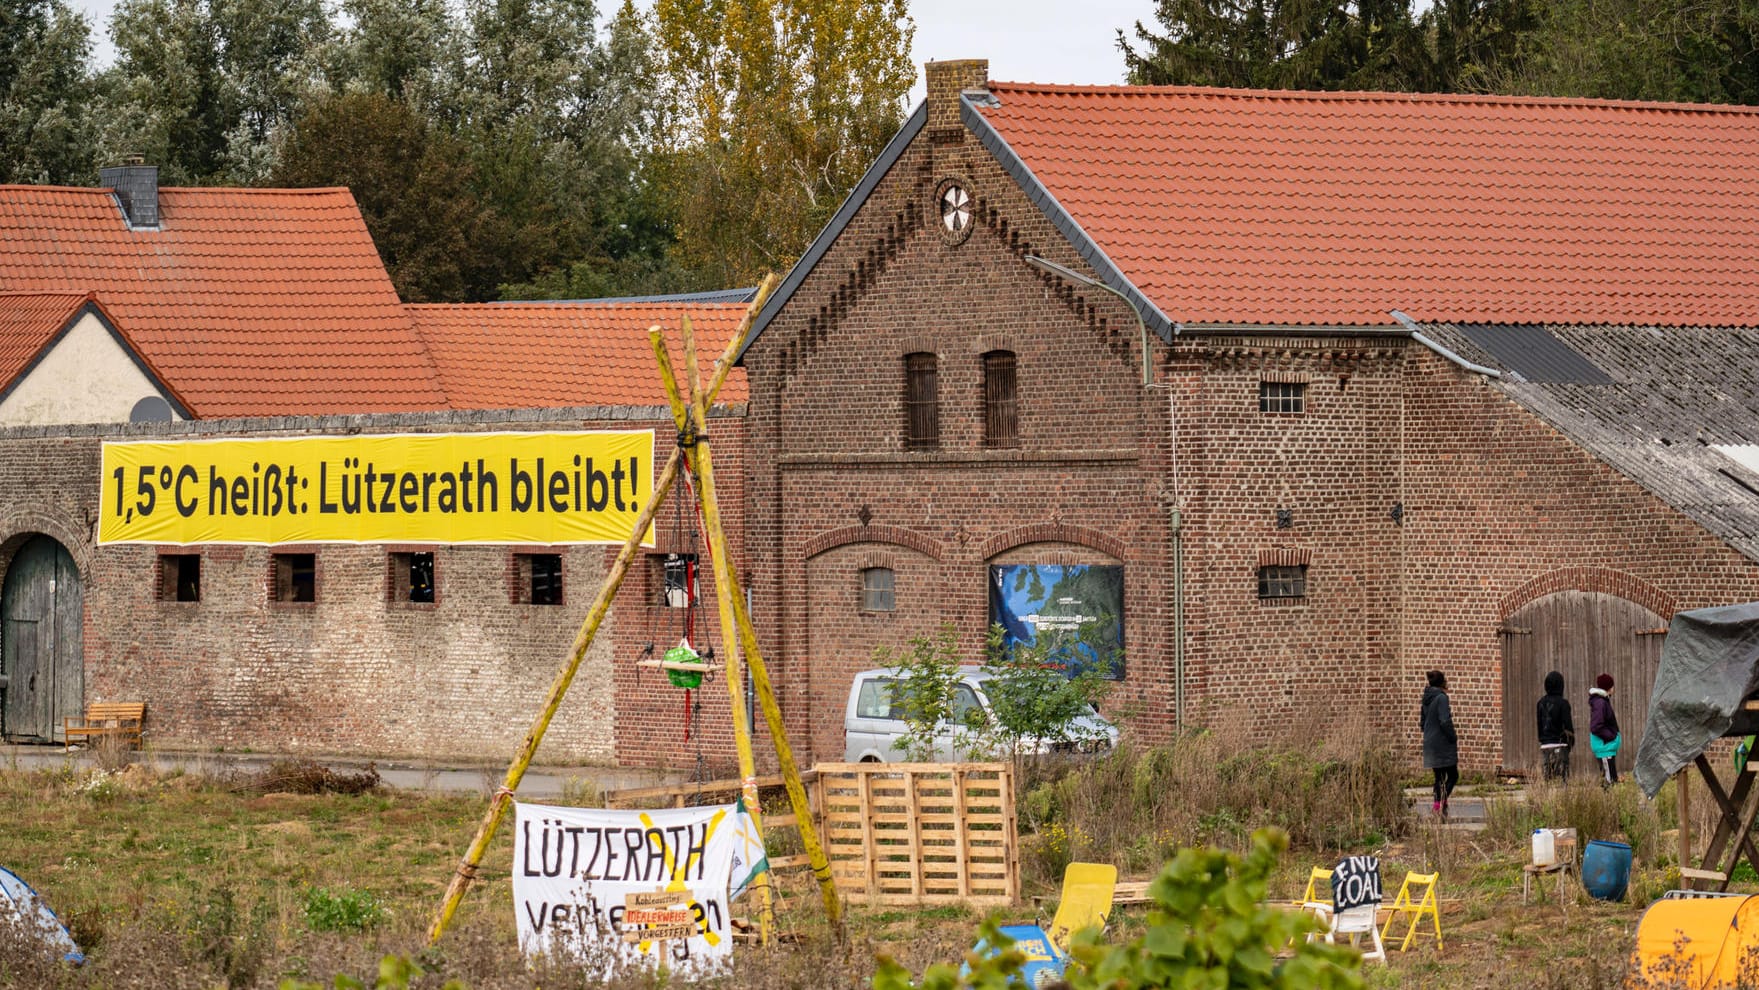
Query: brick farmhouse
1468	383
130	312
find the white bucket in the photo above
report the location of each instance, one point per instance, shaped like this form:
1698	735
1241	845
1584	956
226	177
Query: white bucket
1544	847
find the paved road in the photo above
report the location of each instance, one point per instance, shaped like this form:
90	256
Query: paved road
539	782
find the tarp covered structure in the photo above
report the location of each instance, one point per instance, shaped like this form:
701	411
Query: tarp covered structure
1709	667
1699	942
21	905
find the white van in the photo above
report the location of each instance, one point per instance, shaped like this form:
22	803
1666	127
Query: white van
872	724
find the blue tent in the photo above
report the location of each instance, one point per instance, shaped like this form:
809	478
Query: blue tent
18	900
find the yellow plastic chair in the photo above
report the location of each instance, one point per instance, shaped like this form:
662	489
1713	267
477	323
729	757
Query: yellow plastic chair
1087	900
1416	908
1317	899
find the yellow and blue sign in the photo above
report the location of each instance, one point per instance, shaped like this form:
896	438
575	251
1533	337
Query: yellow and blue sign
541	488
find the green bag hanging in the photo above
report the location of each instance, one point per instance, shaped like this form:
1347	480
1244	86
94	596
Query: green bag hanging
684	678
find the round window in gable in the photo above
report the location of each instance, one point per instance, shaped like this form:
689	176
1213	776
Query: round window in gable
953	200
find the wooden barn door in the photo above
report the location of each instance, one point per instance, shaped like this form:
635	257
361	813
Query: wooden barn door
1581	634
41	640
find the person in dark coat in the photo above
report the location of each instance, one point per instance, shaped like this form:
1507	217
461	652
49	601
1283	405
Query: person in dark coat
1557	731
1441	749
1603	726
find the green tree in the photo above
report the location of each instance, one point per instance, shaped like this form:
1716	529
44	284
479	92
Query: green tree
205	88
46	132
925	696
1279	44
1031	697
781	106
411	180
1209	927
1633	49
164	97
403	49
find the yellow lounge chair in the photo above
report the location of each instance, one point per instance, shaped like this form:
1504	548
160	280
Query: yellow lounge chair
1087	900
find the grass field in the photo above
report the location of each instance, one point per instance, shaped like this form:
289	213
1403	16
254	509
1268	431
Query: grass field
202	881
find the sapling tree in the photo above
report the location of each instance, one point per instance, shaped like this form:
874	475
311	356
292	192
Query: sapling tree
1036	702
926	697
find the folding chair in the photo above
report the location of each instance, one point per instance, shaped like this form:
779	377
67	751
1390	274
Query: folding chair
1317	899
1428	904
1087	900
1356	922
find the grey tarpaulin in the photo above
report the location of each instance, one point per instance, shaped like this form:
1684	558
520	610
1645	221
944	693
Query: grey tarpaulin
1709	666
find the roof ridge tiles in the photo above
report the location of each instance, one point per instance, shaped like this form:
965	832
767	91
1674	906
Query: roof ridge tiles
1368	96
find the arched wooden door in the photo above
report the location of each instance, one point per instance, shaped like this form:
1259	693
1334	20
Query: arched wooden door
41	640
1581	634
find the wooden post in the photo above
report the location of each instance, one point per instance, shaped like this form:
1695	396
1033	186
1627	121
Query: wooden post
760	678
522	759
1683	789
589	628
696	454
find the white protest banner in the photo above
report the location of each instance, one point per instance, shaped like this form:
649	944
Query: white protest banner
628	886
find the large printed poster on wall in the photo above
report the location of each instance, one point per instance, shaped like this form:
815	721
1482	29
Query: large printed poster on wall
622	887
545	488
1075	611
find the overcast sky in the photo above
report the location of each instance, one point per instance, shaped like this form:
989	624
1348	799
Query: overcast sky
1051	41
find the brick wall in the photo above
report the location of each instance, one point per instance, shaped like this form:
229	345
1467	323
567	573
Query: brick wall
461	678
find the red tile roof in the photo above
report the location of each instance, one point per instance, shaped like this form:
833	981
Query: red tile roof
28	320
529	355
250	302
1333	208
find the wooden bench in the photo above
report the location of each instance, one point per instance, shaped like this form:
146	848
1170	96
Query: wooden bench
107	719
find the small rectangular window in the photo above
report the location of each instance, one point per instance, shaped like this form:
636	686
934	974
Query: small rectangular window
1282	397
1282	583
877	590
922	402
180	577
1001	412
538	578
411	577
295	577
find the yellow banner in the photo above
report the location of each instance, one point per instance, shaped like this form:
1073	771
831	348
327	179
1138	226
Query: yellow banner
416	488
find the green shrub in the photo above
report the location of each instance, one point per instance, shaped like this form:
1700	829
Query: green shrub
345	910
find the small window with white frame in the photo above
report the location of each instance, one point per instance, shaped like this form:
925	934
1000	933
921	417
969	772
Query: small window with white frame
1282	582
1282	397
878	590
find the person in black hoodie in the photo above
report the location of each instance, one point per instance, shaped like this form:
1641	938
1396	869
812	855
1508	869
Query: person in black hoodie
1441	750
1557	731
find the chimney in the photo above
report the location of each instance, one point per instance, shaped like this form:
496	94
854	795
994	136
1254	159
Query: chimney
945	82
137	187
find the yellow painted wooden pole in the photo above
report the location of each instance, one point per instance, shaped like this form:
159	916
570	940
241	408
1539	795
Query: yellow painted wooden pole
725	578
589	627
527	749
681	395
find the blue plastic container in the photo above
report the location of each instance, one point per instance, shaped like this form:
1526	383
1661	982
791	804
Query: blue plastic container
1606	870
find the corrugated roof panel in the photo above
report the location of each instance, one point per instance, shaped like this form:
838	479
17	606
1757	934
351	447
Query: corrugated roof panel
1534	353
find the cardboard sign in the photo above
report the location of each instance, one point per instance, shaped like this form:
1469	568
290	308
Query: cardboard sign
1355	882
632	887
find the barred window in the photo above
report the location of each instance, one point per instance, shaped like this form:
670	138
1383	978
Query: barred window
877	590
1001	412
1282	582
1282	397
922	402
